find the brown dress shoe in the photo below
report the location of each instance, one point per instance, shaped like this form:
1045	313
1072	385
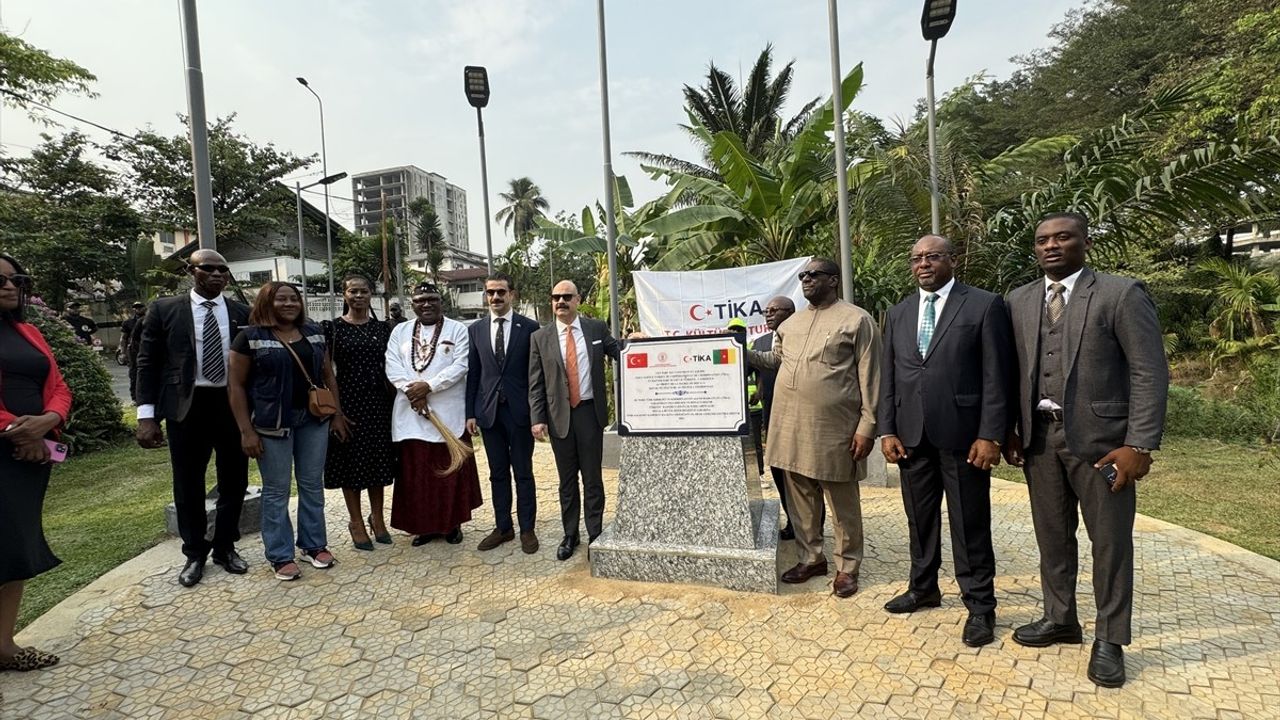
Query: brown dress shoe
496	538
845	585
529	542
801	572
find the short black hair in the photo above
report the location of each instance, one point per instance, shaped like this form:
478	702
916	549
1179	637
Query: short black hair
356	276
502	277
17	314
826	265
1081	221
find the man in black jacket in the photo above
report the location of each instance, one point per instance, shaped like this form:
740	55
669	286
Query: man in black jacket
182	378
944	408
498	406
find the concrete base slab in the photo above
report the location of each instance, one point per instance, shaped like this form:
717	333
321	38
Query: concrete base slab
612	450
250	516
748	570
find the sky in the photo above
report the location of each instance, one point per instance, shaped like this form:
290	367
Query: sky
390	74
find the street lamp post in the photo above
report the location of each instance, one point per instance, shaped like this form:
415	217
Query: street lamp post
324	170
201	176
302	243
842	165
475	82
934	24
610	224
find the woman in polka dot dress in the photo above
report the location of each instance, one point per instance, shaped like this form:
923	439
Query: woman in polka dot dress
367	461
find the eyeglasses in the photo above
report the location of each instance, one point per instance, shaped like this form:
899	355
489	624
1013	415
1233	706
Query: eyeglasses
562	297
427	300
813	274
213	268
499	292
931	257
22	282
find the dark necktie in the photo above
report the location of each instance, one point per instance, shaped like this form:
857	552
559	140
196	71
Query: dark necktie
927	323
215	368
500	343
1057	303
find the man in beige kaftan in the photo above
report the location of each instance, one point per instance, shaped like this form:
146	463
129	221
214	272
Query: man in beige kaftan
824	420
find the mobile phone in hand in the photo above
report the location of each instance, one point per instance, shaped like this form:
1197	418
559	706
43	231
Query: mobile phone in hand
57	451
1109	472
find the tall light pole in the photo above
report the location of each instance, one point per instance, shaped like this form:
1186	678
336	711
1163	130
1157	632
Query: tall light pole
934	24
198	127
302	243
475	82
842	165
611	228
324	170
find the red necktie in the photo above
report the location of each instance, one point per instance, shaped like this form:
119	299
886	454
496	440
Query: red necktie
571	367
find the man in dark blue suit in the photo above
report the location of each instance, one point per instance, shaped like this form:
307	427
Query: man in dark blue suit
498	406
944	408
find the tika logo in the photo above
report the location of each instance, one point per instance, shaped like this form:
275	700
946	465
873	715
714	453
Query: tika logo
638	360
719	357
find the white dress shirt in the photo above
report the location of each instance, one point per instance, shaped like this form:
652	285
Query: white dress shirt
506	331
942	292
584	358
1069	283
198	311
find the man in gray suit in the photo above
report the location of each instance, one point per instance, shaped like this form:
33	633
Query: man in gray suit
944	410
1093	383
568	400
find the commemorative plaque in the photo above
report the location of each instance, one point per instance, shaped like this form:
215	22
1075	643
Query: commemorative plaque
685	385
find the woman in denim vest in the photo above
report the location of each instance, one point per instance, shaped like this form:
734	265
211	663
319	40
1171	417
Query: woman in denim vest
269	389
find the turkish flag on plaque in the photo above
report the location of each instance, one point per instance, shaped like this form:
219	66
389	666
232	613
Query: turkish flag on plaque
638	360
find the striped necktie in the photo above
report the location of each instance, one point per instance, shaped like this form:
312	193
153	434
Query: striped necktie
214	364
926	326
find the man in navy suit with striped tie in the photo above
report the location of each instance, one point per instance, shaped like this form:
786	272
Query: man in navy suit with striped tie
498	406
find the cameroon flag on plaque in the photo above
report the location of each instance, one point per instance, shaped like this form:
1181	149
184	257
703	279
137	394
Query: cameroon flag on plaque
724	357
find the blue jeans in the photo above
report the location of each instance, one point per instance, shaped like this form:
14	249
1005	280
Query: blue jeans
300	453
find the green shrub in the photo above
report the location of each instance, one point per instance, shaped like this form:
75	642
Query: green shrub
95	421
1194	416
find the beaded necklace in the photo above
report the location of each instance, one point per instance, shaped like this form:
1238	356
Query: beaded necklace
419	347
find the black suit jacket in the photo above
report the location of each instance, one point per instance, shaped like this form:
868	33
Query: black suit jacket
549	383
485	377
959	390
167	354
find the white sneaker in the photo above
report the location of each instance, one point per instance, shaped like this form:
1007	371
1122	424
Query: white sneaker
321	558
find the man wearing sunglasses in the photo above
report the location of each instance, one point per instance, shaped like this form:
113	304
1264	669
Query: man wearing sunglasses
569	401
943	412
498	406
823	420
182	379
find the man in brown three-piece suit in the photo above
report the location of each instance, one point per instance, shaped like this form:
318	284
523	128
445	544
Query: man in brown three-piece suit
1093	383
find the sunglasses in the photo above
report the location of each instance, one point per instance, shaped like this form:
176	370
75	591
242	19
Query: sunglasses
562	297
22	282
931	257
427	300
813	274
213	268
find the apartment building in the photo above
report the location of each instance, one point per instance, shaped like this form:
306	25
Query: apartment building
401	186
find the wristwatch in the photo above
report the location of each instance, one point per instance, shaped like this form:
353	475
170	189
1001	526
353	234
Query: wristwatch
1140	450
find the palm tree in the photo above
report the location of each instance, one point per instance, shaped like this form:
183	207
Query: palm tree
753	113
525	204
428	235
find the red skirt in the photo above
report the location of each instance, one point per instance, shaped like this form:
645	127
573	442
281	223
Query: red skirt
427	502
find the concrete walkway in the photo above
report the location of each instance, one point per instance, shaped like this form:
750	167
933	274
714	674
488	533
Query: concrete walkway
444	631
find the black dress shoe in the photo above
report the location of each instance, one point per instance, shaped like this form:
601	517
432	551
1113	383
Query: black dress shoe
565	551
231	562
421	540
787	533
979	629
1044	632
192	573
455	536
1106	664
911	601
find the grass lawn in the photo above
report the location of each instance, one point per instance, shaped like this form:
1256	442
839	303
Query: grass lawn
1228	491
101	510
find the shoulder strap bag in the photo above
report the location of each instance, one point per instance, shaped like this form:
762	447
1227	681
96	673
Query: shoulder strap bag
320	400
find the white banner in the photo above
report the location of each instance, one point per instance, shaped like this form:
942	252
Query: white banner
702	302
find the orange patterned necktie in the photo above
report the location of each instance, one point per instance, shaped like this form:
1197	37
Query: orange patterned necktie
571	367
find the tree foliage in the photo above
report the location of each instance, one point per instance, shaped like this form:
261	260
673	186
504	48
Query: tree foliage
65	219
30	75
525	204
245	180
